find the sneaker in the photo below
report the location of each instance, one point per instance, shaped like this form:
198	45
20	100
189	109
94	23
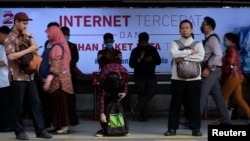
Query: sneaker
22	136
196	132
99	133
44	134
170	132
127	134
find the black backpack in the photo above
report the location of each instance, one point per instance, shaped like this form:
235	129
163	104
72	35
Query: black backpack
206	39
117	122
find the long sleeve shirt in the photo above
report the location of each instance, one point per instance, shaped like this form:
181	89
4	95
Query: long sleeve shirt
141	66
212	46
231	57
102	93
106	56
74	57
186	54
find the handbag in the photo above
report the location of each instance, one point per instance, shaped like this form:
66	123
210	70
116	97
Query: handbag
188	69
35	62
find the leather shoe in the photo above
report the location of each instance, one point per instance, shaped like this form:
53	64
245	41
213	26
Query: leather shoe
196	132
170	132
44	134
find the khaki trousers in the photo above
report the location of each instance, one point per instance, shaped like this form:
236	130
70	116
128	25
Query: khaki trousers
233	87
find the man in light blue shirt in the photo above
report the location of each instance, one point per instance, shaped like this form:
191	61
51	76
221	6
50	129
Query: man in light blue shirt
4	84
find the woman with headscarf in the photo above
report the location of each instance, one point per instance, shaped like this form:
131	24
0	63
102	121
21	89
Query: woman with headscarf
59	84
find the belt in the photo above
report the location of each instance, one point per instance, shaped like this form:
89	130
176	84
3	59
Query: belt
218	66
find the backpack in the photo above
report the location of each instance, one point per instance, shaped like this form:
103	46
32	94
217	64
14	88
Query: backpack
205	63
45	64
187	69
207	38
117	123
113	82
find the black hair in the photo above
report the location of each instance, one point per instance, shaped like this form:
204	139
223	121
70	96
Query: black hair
233	38
108	36
192	34
186	21
65	28
5	29
143	36
53	23
210	21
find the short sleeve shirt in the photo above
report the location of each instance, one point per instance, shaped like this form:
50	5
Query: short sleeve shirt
11	45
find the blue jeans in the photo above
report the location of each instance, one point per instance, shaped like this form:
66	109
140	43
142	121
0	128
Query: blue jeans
28	88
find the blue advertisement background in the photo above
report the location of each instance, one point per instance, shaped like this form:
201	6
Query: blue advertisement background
88	26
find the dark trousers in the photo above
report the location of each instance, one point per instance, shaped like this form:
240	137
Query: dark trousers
188	91
45	99
5	112
18	90
146	89
211	85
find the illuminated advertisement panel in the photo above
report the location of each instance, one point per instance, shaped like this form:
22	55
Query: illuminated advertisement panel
88	25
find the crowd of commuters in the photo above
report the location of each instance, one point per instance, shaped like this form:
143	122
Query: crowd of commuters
52	99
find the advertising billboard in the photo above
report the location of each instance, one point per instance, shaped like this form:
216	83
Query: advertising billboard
88	25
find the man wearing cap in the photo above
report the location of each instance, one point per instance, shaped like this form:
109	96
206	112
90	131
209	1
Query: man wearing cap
22	83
